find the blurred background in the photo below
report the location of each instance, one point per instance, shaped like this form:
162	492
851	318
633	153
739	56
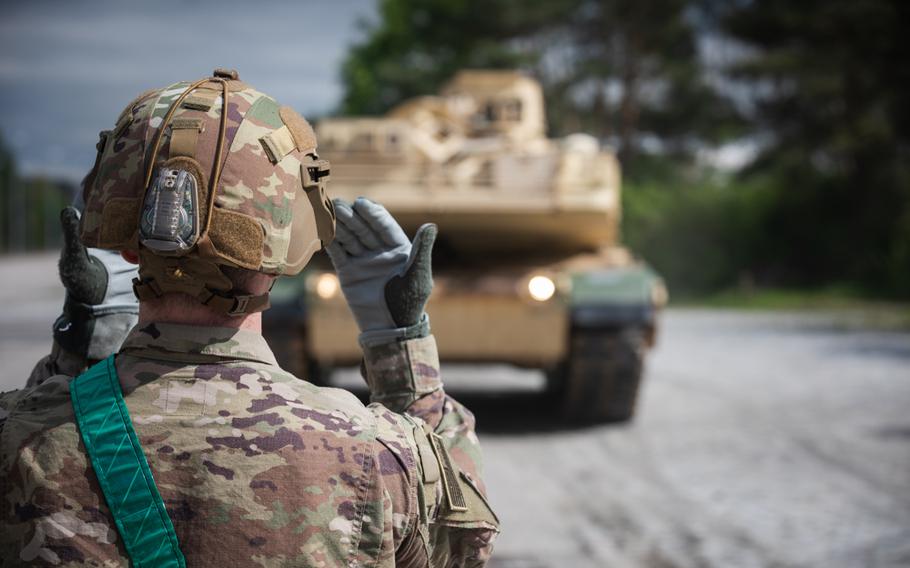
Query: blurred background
767	138
764	150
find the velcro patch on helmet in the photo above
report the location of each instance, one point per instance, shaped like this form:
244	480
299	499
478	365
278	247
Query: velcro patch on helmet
237	238
300	129
118	222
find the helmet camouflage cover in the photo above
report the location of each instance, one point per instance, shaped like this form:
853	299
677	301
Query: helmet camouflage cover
206	174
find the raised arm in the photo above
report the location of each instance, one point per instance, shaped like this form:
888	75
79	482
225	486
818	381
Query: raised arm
387	281
98	310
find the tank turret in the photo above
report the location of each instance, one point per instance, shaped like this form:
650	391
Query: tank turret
476	160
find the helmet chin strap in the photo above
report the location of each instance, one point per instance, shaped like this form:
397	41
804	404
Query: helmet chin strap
196	277
231	304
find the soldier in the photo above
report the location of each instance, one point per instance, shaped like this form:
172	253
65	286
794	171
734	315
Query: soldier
191	446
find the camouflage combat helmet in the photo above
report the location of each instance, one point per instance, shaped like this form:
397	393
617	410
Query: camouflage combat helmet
196	176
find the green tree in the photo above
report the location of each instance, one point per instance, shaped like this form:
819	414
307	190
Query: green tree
626	71
417	45
831	85
636	77
29	207
7	179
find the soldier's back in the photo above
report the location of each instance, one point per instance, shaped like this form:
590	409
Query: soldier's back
254	465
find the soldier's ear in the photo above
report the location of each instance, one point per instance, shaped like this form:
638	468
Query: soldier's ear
130	256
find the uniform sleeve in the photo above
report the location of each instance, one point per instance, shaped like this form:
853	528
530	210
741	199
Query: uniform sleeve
405	378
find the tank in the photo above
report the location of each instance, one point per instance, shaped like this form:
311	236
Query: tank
528	268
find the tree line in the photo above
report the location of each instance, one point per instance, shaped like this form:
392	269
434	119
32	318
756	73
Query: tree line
29	207
814	93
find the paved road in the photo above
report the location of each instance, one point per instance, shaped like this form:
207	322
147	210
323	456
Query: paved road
30	300
762	440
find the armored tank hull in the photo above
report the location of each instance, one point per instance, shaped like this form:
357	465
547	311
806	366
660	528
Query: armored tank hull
527	268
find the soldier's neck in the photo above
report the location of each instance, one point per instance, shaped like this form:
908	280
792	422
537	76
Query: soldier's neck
189	312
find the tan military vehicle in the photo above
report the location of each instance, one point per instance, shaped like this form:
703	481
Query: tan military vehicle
527	266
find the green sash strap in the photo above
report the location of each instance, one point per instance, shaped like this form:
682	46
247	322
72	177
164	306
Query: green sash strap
122	470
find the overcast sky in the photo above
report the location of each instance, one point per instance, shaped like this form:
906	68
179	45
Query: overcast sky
67	68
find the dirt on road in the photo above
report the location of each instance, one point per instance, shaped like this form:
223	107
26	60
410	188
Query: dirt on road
761	440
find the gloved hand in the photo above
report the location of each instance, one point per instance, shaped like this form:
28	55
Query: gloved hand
100	307
385	278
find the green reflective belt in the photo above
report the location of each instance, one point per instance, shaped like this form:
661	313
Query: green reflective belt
122	470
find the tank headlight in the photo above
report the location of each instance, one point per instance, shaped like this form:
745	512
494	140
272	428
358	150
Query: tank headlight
327	286
541	288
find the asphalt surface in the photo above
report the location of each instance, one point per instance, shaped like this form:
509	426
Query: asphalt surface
761	440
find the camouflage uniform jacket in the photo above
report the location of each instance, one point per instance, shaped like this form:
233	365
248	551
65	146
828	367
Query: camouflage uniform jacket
255	467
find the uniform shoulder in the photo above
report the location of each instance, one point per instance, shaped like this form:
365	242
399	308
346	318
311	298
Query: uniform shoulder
48	397
28	412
